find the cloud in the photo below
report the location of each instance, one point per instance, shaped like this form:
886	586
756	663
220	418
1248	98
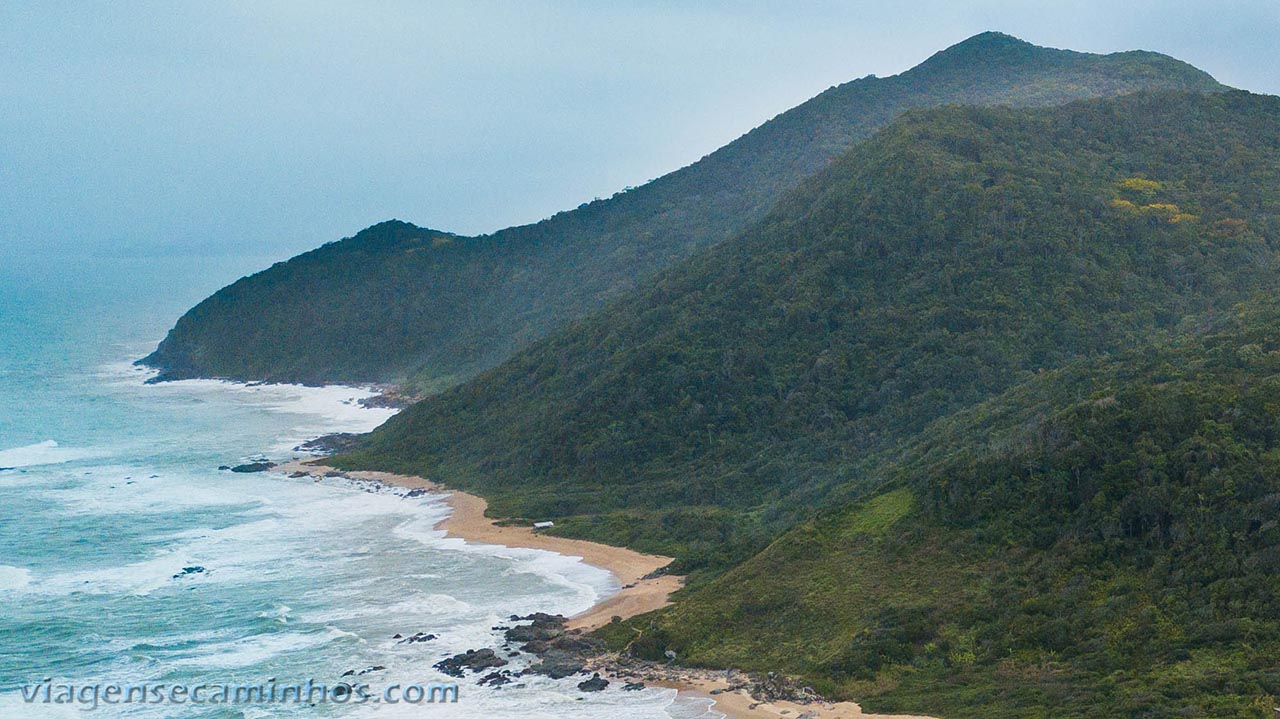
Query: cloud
278	126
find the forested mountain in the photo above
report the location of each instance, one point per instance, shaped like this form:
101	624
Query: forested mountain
1100	540
939	263
973	423
396	302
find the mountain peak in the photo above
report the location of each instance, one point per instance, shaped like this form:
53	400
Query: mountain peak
986	47
990	39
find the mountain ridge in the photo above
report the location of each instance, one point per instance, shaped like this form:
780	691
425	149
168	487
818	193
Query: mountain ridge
453	306
670	396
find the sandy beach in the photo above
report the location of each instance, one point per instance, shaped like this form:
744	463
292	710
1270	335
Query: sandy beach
740	705
637	595
468	521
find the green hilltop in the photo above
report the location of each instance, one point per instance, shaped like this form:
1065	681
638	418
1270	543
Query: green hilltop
399	303
974	422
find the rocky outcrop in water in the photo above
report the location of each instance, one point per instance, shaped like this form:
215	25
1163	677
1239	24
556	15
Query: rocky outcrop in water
249	467
560	653
472	659
596	683
415	639
390	398
496	679
329	444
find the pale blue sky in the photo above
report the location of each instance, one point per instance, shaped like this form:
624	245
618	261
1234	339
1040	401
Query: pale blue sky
272	127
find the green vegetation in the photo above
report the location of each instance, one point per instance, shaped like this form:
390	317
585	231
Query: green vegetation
952	430
398	303
1101	540
938	264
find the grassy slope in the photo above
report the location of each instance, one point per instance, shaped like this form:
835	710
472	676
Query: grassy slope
397	302
949	258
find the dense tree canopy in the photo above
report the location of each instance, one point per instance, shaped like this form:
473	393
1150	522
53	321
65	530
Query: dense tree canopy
1100	540
948	258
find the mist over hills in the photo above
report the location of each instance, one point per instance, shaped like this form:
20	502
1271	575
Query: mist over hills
398	303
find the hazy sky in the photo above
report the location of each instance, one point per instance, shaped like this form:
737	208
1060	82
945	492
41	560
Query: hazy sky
272	127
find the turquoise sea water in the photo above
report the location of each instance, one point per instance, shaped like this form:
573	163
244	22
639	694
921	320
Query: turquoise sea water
127	557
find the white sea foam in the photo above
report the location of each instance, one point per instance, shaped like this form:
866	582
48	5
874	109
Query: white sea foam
257	649
14	578
300	578
417	606
137	578
329	407
587	582
115	490
46	452
346	559
13	705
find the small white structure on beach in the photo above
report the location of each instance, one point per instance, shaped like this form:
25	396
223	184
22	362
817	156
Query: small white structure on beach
543	525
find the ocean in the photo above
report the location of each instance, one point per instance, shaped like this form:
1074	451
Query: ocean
128	559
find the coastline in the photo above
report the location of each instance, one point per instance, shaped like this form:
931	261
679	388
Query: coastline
639	593
738	704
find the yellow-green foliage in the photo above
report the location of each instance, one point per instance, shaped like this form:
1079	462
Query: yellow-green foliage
1166	211
880	513
1139	186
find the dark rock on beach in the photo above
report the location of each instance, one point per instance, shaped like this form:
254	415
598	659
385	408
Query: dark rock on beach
543	627
561	653
659	572
558	664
